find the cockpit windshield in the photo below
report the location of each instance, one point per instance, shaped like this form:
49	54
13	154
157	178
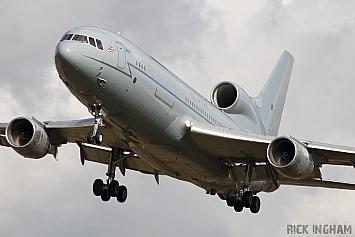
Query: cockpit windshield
83	38
66	37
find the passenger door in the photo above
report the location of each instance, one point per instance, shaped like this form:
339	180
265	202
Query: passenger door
116	54
121	55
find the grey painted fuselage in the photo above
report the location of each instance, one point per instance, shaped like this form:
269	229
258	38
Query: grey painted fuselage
147	105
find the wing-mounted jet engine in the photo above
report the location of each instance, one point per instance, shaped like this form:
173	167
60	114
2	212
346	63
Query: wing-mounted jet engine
290	157
26	135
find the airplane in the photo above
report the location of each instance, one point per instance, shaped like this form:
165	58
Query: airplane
146	119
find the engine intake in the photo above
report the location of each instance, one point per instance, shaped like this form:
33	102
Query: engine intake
27	137
231	98
290	157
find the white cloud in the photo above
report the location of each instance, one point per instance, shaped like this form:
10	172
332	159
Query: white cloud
203	42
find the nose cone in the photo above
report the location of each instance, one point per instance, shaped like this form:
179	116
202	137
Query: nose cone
75	65
64	54
69	60
69	63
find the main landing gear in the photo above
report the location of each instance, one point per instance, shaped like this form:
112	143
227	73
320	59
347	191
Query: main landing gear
94	136
111	188
243	198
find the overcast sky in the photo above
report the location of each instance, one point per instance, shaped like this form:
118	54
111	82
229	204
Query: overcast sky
203	42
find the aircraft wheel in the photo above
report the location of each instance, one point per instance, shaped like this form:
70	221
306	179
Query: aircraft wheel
90	138
255	207
97	187
99	138
247	199
238	206
113	188
230	198
105	196
122	194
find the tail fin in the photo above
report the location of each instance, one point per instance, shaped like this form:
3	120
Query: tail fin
271	99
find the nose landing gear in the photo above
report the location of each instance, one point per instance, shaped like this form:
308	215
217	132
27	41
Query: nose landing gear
94	136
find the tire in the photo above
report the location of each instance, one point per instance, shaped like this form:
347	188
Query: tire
90	138
255	207
247	199
113	188
97	187
122	194
230	198
105	196
99	137
238	206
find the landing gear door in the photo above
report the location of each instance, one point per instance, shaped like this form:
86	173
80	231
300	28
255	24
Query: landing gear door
121	56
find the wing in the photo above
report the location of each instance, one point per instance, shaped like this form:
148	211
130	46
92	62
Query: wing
61	132
101	155
75	131
235	147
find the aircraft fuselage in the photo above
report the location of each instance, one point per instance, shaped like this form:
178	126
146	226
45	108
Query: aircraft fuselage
147	104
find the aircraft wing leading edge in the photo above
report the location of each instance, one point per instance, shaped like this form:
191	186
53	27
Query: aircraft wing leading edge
236	147
75	131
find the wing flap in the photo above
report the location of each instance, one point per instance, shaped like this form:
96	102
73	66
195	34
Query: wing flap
101	155
332	154
318	183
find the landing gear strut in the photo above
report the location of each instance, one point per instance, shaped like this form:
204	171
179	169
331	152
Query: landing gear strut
111	188
94	136
243	197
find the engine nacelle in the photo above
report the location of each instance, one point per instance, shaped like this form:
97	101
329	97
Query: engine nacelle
231	98
27	137
290	157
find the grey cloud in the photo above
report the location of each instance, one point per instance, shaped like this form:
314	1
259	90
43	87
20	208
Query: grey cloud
166	30
203	42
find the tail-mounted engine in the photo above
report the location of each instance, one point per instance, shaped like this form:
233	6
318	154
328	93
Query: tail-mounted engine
27	137
231	98
290	157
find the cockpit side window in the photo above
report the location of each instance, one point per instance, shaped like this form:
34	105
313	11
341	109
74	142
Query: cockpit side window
99	44
92	41
66	37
